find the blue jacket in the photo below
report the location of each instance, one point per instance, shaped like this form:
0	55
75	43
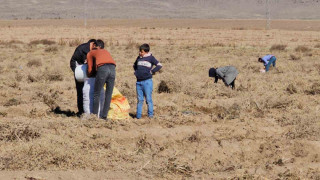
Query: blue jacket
143	67
267	58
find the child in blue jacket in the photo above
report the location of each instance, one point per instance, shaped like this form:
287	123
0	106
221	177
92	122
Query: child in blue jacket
143	72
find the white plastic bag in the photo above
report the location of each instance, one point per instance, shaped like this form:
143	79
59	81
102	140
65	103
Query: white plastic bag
81	72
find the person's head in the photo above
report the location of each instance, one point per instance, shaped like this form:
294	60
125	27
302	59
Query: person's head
99	44
260	59
92	42
212	72
144	49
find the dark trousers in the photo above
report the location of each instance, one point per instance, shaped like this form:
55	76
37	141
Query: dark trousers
79	86
106	74
232	85
271	61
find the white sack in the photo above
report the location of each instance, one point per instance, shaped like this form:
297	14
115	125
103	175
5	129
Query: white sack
81	72
87	91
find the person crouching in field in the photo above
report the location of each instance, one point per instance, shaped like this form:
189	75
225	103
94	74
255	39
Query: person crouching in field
267	61
228	75
105	74
143	72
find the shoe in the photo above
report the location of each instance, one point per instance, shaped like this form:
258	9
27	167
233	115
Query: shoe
104	118
78	114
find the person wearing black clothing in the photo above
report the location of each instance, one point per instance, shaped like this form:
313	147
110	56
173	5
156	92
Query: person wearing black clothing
79	57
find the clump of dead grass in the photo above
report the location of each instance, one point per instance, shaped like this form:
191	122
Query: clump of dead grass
131	44
294	57
278	47
32	78
317	45
143	144
19	77
34	63
222	112
51	49
12	102
168	86
278	103
3	114
291	89
163	87
194	137
302	49
218	44
75	42
178	168
11	42
54	77
23	133
42	41
314	89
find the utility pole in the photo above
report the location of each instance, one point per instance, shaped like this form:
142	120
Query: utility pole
268	17
85	13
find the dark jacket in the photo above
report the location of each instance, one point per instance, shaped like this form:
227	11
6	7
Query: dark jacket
79	55
143	67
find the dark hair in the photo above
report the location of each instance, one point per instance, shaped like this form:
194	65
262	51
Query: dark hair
100	43
144	47
92	40
212	72
260	59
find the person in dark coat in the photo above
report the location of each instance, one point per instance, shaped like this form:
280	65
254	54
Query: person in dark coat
79	57
228	75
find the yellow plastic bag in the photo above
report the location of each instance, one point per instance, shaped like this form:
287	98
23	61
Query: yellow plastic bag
119	106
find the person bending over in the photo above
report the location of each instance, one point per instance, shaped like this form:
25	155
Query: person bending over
267	61
228	75
101	60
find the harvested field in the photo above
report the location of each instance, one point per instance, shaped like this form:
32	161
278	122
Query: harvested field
268	128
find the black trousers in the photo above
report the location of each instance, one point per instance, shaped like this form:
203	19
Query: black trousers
79	86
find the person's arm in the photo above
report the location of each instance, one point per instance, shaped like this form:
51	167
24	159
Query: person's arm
216	79
157	64
90	63
135	64
73	61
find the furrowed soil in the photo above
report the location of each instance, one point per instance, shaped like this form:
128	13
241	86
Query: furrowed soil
267	128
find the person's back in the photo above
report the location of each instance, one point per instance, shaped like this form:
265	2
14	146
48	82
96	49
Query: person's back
101	57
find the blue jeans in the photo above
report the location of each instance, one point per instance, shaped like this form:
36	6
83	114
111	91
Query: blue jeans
144	89
271	61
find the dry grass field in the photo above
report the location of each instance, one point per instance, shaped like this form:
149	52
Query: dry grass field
268	128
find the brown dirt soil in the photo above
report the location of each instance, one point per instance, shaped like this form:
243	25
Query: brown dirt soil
268	128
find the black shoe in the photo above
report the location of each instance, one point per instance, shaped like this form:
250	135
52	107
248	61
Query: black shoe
78	114
104	118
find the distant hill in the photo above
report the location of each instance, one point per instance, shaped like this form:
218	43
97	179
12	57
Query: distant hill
229	9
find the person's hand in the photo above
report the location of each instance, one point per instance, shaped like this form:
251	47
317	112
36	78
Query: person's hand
152	73
85	61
